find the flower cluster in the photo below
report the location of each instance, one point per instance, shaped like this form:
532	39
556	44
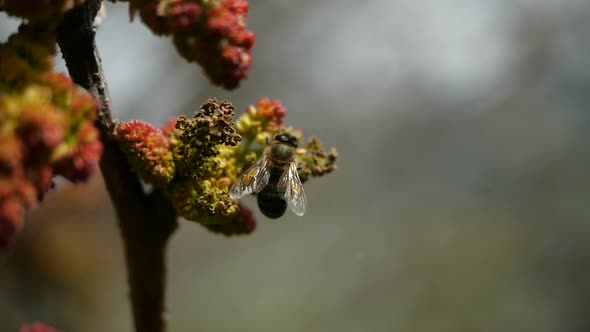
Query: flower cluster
190	159
210	32
267	118
203	137
204	155
45	130
46	122
37	327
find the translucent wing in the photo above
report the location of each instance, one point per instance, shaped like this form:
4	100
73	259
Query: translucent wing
292	190
253	180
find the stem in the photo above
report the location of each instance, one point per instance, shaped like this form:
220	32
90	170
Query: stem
146	221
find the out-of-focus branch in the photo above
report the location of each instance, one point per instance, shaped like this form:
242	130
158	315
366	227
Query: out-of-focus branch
146	221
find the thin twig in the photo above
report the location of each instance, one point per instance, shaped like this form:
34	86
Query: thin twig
146	221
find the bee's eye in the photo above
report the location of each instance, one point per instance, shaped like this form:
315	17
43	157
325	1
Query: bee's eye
286	138
282	138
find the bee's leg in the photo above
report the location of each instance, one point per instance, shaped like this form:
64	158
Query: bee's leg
300	165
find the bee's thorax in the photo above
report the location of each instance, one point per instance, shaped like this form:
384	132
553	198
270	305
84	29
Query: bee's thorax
281	155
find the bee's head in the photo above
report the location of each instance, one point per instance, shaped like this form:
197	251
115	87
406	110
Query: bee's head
287	139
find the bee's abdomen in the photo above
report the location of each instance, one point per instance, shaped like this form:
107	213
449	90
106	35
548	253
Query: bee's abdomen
270	202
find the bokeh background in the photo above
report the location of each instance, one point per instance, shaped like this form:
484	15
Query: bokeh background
460	202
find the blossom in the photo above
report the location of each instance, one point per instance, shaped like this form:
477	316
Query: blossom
169	127
316	161
202	201
45	130
199	139
148	151
244	222
273	111
203	154
210	32
261	120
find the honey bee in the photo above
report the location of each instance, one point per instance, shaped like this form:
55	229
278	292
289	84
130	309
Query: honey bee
274	178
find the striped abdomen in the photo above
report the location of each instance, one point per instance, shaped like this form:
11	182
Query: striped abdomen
270	202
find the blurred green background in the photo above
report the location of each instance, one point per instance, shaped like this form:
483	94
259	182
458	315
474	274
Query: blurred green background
460	202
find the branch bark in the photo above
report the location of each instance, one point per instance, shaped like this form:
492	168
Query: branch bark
146	221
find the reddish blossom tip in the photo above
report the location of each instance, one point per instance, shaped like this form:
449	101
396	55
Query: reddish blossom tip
243	223
272	110
169	127
59	82
147	149
246	220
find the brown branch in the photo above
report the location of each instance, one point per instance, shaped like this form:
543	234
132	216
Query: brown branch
146	221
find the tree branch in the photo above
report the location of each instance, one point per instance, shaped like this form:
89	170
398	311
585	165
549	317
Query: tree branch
146	221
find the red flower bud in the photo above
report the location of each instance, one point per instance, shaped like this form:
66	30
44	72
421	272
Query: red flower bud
147	149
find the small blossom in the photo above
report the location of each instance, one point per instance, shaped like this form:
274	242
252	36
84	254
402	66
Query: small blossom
200	137
37	327
273	111
169	127
316	161
148	151
262	120
243	223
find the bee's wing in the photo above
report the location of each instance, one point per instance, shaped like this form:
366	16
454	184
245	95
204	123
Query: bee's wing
292	190
253	180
